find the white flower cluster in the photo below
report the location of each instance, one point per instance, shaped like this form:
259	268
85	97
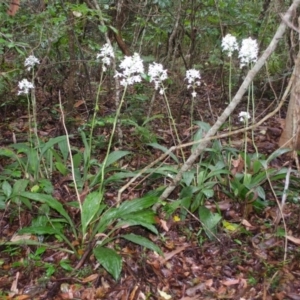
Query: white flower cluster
229	44
247	53
106	54
30	62
24	87
157	75
132	67
193	77
243	116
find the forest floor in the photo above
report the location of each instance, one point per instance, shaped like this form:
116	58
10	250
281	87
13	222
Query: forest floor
252	261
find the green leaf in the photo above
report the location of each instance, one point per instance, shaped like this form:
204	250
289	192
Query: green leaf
77	158
164	150
188	177
39	230
40	250
256	166
209	193
275	154
129	223
102	28
170	208
20	186
51	143
258	179
220	171
132	206
64	149
209	221
159	116
42	230
185	203
90	208
126	208
110	260
35	188
65	264
144	242
115	156
108	217
7	152
2	203
144	218
247	179
46	185
201	177
165	171
52	202
187	191
7	189
203	129
261	192
115	30
118	176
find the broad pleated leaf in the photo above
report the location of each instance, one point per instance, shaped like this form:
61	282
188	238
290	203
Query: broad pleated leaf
164	150
90	207
115	156
209	221
52	202
142	241
110	260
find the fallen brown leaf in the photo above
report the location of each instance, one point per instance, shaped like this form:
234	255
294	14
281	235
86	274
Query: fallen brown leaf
90	278
169	255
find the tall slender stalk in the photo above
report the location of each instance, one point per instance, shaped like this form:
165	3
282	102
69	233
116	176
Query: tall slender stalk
116	119
96	109
173	124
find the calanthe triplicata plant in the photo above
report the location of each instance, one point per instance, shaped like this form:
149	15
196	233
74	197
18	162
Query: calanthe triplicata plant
244	116
30	62
193	78
106	54
132	67
248	52
157	75
24	86
229	44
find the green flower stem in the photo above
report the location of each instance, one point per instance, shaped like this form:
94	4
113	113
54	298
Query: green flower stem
111	139
246	145
70	153
229	92
96	109
192	109
29	133
173	124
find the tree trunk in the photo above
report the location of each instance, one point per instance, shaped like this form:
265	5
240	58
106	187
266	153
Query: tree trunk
290	137
13	7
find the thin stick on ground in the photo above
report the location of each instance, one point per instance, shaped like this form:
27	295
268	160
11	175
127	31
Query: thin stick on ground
279	217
